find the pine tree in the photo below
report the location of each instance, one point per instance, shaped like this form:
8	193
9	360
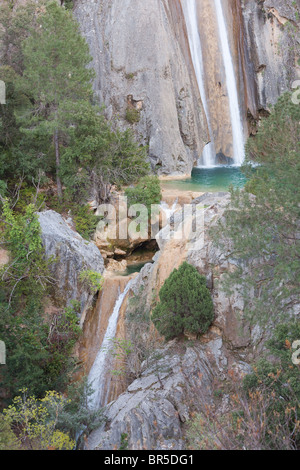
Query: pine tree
56	75
185	304
262	221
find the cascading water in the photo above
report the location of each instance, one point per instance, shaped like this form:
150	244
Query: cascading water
236	121
168	211
190	15
100	368
195	20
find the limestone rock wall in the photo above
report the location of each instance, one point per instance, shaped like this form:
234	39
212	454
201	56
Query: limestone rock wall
142	62
271	29
154	407
146	79
71	254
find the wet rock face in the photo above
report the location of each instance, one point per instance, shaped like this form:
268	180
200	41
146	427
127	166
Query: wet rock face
145	77
72	254
271	32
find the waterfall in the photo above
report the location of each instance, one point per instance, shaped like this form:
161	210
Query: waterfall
168	211
100	367
236	121
190	15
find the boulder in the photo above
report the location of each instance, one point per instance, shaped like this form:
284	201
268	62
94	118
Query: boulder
72	254
114	265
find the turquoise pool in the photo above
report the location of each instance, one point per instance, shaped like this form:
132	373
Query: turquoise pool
214	179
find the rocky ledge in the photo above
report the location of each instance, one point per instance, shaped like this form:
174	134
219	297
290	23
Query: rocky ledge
71	254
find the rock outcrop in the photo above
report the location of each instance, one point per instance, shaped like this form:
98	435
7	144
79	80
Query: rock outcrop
199	250
71	254
151	412
271	30
180	378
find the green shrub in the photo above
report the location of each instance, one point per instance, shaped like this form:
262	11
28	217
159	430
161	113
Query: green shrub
279	375
83	217
92	280
132	115
3	188
185	304
146	192
8	440
68	4
85	221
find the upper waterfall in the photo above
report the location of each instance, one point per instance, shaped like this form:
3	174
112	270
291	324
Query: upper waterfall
190	15
213	63
236	121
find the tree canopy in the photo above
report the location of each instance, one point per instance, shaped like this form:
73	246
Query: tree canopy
262	221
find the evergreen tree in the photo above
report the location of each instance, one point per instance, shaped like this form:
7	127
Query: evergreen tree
146	192
38	356
185	304
98	156
262	221
56	75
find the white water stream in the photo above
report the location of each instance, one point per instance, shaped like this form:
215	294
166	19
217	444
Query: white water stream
190	15
101	366
192	24
236	121
168	211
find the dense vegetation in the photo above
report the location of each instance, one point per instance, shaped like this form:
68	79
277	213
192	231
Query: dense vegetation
38	354
263	411
58	151
146	192
262	223
262	227
50	127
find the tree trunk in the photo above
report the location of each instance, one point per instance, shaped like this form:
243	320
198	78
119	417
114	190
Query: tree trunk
57	158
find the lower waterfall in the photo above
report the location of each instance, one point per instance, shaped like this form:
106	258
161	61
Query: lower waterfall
97	377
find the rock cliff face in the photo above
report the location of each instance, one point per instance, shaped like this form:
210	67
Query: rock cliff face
153	408
72	254
271	33
145	76
144	70
142	61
